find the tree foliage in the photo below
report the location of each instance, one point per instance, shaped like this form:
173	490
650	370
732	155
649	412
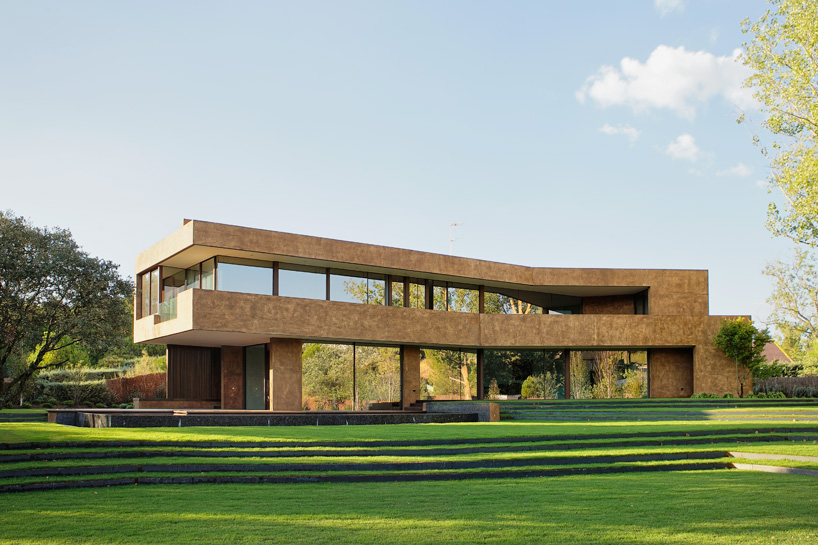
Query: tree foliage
795	306
783	54
742	342
53	296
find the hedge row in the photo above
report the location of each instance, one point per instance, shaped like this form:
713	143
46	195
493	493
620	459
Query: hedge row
89	392
143	386
81	374
790	386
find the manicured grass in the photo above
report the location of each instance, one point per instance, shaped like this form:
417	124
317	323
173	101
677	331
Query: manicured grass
718	507
703	506
18	432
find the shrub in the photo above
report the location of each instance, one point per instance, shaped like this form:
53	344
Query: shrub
68	403
540	387
52	400
494	389
47	405
728	395
100	405
804	391
531	388
123	405
39	400
85	392
705	395
787	385
26	405
634	386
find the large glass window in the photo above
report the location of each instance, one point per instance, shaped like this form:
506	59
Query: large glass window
347	286
377	375
145	295
448	374
607	374
245	275
326	377
302	281
417	293
192	277
532	374
375	289
397	292
154	303
440	296
209	274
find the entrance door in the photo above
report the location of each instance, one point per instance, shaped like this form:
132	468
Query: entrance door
255	377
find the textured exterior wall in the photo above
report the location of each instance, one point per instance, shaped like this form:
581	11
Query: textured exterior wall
671	372
410	374
285	374
611	304
232	377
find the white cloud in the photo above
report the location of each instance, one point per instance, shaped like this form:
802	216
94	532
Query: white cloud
714	34
672	78
740	170
762	184
684	147
665	7
632	133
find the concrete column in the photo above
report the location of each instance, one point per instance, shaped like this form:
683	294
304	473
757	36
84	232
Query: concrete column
409	374
232	377
285	374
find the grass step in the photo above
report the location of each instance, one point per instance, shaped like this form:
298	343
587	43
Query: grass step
377	477
404	452
381	443
389	466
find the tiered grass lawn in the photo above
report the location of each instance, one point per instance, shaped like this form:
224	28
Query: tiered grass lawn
712	506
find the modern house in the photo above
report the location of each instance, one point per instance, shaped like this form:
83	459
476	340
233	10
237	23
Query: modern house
234	306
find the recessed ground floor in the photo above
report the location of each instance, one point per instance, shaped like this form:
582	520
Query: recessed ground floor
291	375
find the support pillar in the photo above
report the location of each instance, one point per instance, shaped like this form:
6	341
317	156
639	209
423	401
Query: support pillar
232	377
409	375
285	374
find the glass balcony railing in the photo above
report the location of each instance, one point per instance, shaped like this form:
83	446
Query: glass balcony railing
167	310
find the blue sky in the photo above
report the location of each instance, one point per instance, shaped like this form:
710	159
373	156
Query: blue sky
564	134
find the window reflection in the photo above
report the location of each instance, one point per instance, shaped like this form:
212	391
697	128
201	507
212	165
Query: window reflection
302	281
245	275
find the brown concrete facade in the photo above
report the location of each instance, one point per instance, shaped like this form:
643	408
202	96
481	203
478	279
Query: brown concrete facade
285	374
676	327
671	372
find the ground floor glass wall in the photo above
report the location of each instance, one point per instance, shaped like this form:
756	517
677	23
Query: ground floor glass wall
608	374
448	374
531	374
349	377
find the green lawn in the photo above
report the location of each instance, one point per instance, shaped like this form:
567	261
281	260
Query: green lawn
677	508
703	506
43	432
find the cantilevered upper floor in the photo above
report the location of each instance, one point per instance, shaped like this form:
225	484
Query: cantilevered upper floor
238	259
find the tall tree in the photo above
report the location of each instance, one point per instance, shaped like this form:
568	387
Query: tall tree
795	304
53	295
742	342
783	54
